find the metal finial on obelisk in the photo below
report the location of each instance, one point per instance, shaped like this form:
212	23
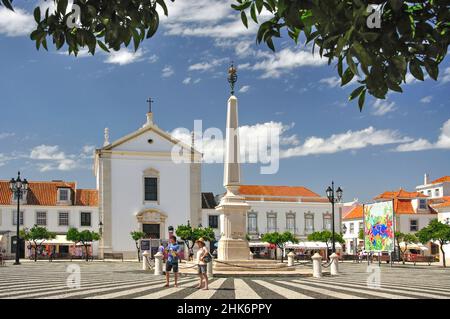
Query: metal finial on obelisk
232	76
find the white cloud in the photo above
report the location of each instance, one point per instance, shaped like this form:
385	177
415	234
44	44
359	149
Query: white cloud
426	99
124	56
350	140
382	107
332	82
16	23
187	80
286	60
6	135
443	142
47	152
167	71
446	76
207	65
244	89
291	145
50	158
153	58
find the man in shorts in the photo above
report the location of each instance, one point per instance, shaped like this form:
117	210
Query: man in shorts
172	260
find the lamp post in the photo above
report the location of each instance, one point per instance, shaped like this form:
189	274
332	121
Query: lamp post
334	197
18	188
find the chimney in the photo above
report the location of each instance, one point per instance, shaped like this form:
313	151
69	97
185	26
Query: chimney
425	179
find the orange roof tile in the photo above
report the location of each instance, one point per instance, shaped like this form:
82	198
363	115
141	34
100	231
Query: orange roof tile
86	197
266	190
46	193
441	202
403	207
401	193
442	179
355	213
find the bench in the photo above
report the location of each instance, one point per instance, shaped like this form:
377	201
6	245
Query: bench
113	256
72	257
419	258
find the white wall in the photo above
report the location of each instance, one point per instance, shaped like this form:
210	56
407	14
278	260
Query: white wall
403	221
6	219
444	217
300	209
127	195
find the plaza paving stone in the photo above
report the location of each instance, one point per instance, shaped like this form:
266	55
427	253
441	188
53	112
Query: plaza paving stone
100	280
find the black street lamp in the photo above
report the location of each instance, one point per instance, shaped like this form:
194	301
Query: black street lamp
333	197
18	188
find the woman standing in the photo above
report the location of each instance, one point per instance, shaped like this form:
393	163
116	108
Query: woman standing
202	252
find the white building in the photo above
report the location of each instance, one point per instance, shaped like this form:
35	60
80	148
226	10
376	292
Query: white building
141	187
284	208
56	205
413	211
352	223
439	191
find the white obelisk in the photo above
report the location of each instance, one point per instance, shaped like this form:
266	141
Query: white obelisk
233	208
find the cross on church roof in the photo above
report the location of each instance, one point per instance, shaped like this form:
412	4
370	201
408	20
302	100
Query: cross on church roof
150	101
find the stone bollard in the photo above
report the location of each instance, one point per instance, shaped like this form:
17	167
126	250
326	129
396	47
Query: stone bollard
291	257
209	268
317	265
158	263
334	268
145	264
251	256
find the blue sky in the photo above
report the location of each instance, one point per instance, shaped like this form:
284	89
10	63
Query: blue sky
54	107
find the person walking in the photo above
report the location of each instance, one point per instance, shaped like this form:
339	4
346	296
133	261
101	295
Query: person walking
202	256
172	261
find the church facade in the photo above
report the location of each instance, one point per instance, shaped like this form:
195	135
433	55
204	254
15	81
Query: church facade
141	188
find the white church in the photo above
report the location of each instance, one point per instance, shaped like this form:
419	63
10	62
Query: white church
137	180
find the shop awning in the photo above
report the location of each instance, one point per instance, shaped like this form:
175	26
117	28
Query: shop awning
418	246
310	245
258	244
59	240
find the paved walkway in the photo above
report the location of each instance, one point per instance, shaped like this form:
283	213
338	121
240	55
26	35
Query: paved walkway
125	280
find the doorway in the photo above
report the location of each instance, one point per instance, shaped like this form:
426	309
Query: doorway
21	246
152	231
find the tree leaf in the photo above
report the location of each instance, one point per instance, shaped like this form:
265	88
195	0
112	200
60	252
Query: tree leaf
347	77
356	92
37	14
361	100
416	69
244	19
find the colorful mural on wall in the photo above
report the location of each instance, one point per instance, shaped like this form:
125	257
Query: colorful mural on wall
379	226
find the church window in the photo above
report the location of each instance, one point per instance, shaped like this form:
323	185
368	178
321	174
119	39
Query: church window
151	188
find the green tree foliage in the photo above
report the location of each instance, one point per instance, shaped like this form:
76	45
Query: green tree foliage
413	35
361	234
279	239
407	239
137	236
85	237
326	237
436	231
103	23
37	235
189	234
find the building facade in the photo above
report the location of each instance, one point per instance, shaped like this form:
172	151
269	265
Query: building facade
147	181
56	205
439	191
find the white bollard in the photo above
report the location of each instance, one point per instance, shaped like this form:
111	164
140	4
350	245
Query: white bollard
251	256
209	268
158	263
334	267
145	264
291	257
317	265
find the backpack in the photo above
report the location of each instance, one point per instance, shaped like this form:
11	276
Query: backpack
207	258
